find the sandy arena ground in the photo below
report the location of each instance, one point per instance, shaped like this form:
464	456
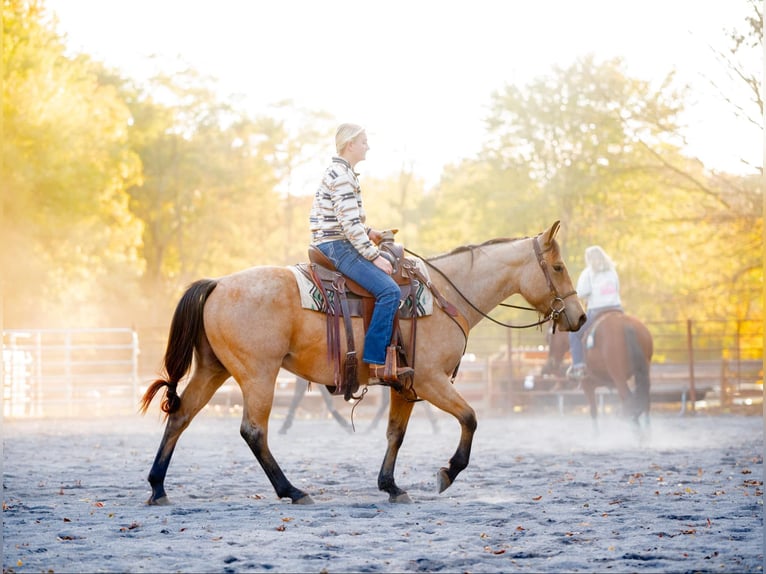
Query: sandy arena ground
541	494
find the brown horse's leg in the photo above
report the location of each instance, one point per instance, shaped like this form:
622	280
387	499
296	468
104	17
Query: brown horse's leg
198	392
589	388
258	398
398	419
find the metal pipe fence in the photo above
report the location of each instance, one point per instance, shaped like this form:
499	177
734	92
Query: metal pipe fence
98	372
69	372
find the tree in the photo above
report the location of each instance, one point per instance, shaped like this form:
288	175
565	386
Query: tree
601	151
66	165
207	195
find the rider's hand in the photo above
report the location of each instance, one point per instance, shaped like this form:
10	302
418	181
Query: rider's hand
383	264
375	236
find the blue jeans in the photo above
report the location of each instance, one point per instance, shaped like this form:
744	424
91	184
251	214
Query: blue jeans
575	337
350	263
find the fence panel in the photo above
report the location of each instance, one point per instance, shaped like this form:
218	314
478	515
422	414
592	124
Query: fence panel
69	372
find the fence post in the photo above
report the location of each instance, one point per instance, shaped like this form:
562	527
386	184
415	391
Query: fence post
690	346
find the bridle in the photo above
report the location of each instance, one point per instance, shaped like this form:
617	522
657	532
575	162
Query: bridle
557	299
557	304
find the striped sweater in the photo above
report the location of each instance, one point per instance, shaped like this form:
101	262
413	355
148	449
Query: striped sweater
338	213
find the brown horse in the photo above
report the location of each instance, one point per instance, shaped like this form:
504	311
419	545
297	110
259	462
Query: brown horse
250	324
617	347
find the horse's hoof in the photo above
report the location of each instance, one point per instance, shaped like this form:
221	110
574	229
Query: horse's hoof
161	501
402	498
304	500
443	480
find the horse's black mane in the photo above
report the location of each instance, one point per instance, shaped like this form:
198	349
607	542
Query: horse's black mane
470	248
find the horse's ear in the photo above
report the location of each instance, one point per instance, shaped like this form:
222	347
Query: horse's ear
550	235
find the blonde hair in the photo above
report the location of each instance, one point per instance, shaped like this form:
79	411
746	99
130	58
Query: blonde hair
345	134
597	259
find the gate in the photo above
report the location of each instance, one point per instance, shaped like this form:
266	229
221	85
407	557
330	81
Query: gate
69	372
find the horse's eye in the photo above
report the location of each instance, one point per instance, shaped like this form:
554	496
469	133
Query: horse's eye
558	267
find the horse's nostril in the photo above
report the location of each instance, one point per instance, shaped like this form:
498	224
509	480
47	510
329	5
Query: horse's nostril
582	320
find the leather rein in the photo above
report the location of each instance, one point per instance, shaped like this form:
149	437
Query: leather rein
557	303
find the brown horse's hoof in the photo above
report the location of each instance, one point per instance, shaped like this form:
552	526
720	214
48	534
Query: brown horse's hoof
443	480
161	501
304	500
402	498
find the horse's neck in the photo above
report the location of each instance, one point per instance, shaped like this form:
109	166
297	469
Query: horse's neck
486	275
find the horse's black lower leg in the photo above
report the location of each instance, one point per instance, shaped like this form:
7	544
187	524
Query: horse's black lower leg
399	416
256	439
446	475
173	429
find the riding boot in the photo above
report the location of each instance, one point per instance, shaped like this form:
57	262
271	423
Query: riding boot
390	373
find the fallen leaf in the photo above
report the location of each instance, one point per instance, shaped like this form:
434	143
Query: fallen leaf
281	528
98	504
537	498
520	528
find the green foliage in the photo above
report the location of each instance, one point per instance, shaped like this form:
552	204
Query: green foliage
600	151
66	164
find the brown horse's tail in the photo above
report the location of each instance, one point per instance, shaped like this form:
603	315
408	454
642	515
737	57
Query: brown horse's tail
640	370
184	331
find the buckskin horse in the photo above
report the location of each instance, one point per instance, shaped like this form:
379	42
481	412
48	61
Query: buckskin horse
251	323
617	347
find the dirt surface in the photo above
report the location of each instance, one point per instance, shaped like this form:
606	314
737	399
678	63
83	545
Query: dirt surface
541	494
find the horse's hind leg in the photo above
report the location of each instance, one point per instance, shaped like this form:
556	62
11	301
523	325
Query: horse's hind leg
398	419
196	395
258	398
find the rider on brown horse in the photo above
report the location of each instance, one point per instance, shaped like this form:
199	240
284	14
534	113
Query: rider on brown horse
599	286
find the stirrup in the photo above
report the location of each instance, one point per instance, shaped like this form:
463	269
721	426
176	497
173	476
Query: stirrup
379	372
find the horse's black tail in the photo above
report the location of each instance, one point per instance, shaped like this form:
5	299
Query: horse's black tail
184	331
640	370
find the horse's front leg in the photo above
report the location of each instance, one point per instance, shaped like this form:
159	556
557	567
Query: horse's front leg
254	429
444	396
398	419
589	388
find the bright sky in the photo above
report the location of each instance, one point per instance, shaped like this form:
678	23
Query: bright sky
419	74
